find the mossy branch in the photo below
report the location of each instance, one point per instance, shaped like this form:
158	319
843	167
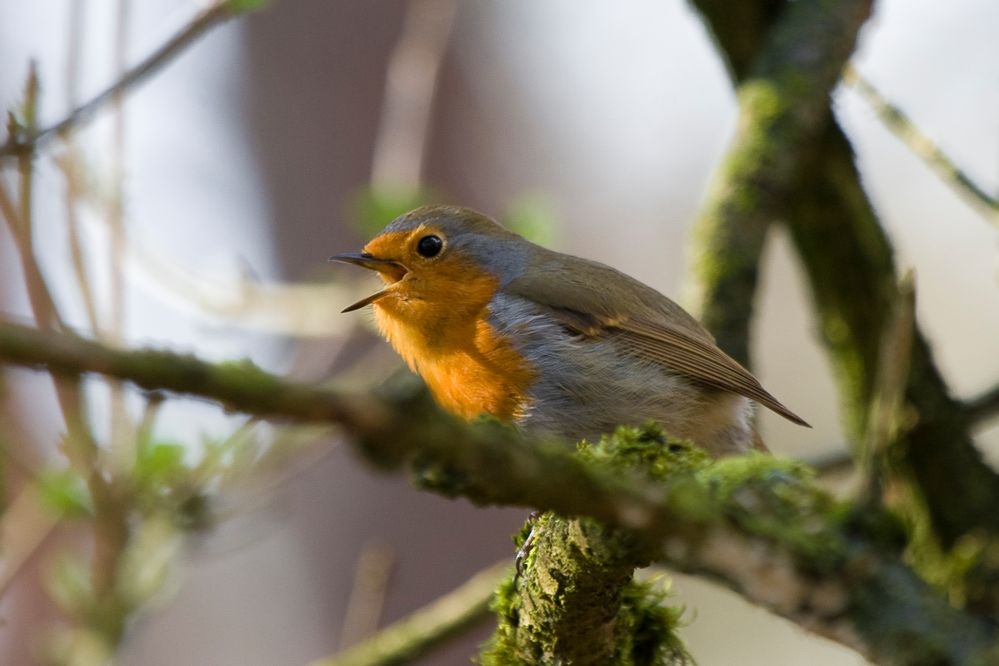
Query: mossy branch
783	107
754	524
431	626
574	600
834	226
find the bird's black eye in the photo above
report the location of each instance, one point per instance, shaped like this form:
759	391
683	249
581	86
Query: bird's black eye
429	246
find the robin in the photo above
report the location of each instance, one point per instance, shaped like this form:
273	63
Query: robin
558	344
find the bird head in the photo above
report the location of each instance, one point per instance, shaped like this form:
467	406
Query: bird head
438	262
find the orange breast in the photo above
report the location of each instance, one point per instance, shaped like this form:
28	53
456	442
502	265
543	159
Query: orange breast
485	376
470	369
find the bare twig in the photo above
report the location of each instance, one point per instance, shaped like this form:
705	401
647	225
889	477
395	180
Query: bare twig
25	526
918	142
984	406
69	164
833	463
885	421
214	15
367	597
122	449
410	87
80	446
430	626
19	219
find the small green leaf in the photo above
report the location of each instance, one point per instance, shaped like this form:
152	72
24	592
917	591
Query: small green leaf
374	208
241	6
68	584
160	462
532	217
64	492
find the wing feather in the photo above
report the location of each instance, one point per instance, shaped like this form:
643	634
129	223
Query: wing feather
648	325
695	359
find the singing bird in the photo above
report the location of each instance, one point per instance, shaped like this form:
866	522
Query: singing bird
495	324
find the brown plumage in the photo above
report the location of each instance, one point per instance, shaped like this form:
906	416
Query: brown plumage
560	344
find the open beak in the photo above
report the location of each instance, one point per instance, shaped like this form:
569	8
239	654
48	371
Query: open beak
392	270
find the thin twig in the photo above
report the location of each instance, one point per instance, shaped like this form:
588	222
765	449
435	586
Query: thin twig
68	163
984	406
367	597
214	15
430	626
19	218
885	421
40	299
410	87
25	527
902	126
122	450
833	463
80	447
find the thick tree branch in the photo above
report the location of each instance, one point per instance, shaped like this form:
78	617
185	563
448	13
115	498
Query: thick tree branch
753	523
834	226
783	108
984	406
739	28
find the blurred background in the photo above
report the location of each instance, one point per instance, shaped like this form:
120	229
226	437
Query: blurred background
239	168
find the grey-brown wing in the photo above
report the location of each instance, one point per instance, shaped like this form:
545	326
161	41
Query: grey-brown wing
698	360
647	324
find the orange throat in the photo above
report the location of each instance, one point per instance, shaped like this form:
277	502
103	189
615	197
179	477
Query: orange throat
470	369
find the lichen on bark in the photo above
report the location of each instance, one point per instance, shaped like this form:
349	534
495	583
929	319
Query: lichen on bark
574	599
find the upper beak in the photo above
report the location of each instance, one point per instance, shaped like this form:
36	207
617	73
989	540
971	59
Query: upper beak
365	260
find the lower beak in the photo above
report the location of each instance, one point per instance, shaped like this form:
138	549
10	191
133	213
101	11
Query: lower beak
367	300
365	260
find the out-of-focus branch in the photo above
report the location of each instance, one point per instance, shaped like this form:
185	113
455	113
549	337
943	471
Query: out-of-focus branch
984	406
367	596
25	526
19	218
69	162
122	450
215	14
410	87
239	385
739	28
80	447
918	142
833	225
884	425
783	107
751	523
431	626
